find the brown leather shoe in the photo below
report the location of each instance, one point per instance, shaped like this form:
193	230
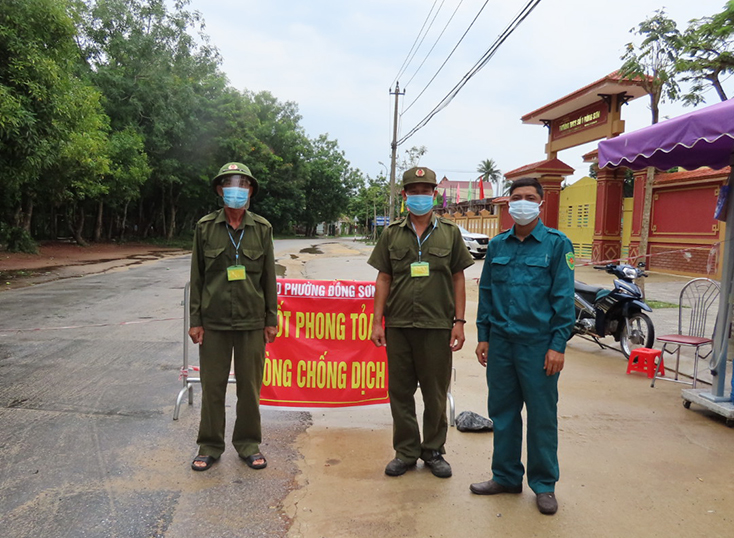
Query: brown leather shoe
490	487
547	503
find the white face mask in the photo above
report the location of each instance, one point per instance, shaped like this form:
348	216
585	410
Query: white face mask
524	211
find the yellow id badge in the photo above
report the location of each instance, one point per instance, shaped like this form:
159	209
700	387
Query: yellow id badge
236	272
419	269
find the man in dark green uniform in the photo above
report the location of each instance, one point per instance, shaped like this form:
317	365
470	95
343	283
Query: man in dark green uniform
421	294
524	319
233	314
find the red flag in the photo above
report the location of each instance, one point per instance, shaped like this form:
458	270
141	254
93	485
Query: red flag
481	188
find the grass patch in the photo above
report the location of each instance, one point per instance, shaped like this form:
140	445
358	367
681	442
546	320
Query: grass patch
660	304
183	242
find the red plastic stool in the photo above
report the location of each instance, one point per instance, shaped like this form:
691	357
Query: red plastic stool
645	358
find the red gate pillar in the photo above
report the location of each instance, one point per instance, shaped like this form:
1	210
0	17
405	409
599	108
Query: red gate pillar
637	209
607	243
551	199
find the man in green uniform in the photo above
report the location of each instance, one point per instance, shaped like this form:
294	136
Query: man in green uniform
233	314
421	294
524	319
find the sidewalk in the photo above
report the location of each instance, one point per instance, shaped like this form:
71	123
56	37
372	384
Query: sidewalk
633	461
664	288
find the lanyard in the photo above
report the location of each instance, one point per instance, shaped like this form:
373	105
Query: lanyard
420	243
237	246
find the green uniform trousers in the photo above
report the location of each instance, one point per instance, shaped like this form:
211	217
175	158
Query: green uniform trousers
515	375
418	356
215	359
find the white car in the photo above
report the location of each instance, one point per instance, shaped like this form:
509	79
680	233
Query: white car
476	243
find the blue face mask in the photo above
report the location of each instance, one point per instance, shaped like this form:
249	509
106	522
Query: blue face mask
419	204
235	197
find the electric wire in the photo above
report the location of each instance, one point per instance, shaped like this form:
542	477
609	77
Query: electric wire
424	37
448	57
529	7
400	71
436	42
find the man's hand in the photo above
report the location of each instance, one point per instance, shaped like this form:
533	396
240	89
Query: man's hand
457	337
553	362
269	334
378	335
481	352
197	335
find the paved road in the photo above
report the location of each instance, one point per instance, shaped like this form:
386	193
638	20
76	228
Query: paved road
88	447
87	444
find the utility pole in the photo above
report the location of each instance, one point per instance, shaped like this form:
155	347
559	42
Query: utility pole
394	147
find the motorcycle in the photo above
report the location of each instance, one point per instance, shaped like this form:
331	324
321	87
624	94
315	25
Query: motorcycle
618	312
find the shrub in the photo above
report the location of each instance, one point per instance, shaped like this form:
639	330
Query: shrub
17	239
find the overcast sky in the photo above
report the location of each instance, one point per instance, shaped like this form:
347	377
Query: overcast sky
338	59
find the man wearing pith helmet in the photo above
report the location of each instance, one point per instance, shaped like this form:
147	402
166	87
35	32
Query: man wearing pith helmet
420	294
233	312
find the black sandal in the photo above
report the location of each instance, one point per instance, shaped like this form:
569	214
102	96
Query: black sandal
252	458
207	460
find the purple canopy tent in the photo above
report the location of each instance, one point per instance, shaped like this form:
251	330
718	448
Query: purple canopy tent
704	137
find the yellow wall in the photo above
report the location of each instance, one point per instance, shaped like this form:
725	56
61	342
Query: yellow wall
576	214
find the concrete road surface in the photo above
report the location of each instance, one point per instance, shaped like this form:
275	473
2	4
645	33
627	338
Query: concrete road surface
88	447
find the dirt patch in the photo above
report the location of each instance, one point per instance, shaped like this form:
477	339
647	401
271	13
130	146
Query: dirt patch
63	259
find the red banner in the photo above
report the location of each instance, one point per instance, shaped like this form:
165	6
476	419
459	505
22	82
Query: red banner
323	355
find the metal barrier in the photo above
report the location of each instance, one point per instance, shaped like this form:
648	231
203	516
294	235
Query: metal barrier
188	382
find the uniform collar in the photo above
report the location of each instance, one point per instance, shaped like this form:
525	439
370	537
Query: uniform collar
404	223
246	219
538	233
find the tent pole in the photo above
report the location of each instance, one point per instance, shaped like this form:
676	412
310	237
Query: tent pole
721	338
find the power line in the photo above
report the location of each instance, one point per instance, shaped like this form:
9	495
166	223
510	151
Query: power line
400	71
529	7
424	36
448	57
436	42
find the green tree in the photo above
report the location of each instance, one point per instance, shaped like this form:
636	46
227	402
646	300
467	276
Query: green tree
52	128
159	76
370	200
279	155
653	63
491	172
708	54
330	183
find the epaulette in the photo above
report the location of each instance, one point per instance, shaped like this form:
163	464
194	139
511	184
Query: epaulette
396	222
261	220
555	232
210	216
447	221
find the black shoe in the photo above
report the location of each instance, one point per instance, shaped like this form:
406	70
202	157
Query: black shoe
397	467
490	487
439	466
547	503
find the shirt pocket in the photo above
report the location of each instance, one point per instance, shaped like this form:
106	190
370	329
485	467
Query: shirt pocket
500	269
399	259
536	270
214	258
253	260
439	258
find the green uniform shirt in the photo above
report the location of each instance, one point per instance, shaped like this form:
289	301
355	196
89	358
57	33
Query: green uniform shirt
421	302
526	290
220	304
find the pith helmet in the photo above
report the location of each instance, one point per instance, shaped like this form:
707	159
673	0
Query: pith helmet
231	169
419	174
